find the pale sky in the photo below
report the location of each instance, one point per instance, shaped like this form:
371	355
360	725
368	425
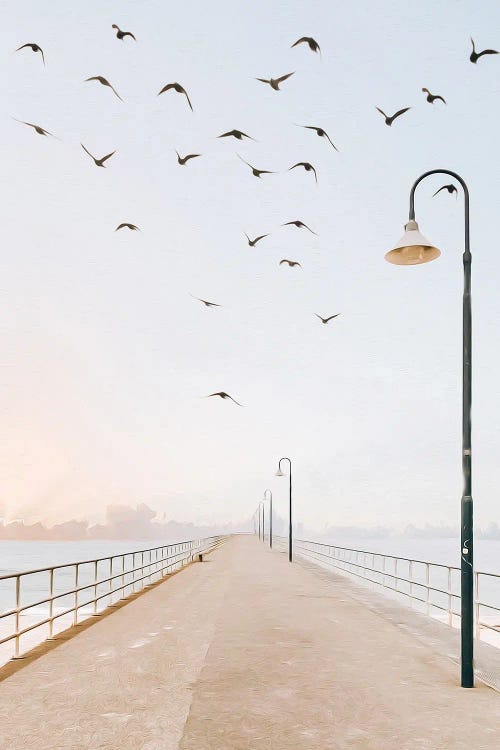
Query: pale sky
107	359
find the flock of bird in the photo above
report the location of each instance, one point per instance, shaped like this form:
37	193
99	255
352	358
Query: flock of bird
275	84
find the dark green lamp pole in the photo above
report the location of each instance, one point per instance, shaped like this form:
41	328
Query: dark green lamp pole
414	249
279	473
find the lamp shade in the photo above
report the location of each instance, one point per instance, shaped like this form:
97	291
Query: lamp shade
413	248
279	473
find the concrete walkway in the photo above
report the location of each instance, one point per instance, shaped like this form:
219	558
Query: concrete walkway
245	652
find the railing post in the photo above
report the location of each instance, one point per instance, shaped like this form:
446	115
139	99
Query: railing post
476	606
51	603
111	580
75	617
18	604
450	600
123	576
410	576
427	579
95	586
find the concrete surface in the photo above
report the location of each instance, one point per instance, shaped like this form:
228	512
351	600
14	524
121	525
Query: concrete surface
246	652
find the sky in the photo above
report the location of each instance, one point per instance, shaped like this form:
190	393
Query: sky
107	359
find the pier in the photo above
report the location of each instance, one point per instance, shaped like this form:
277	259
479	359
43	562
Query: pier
245	651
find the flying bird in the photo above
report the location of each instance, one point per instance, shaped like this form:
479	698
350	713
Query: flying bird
291	263
312	43
98	162
252	243
206	302
431	98
179	89
184	159
126	225
104	82
256	172
122	34
319	131
37	128
474	56
327	320
308	167
390	120
222	394
299	224
450	188
238	134
275	82
34	47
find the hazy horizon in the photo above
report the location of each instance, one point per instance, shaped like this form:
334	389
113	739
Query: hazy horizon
108	359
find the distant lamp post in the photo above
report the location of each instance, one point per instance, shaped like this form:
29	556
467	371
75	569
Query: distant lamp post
279	473
270	516
414	249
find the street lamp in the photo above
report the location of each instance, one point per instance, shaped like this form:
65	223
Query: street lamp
279	473
270	516
413	249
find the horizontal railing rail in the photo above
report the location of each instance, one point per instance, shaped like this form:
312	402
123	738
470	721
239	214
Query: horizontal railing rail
434	586
82	589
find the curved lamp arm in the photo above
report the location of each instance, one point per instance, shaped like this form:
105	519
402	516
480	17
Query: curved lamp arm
466	201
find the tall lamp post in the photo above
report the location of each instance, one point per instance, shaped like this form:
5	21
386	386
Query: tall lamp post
270	516
279	473
414	249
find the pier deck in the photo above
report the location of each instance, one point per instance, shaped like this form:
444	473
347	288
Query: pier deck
242	652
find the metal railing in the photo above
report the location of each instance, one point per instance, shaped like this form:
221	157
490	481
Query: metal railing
64	595
432	588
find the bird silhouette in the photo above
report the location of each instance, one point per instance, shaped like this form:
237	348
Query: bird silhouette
179	89
256	172
299	224
37	128
291	263
450	188
312	43
327	320
275	82
319	131
238	134
104	82
34	47
184	159
126	225
222	394
431	98
205	302
122	34
308	167
98	162
474	56
252	243
390	120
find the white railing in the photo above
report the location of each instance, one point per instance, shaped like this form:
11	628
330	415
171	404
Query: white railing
46	601
429	587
